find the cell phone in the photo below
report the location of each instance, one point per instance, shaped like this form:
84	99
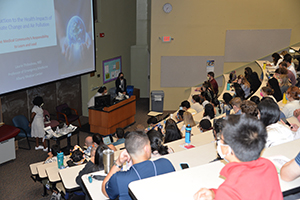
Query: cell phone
285	121
184	165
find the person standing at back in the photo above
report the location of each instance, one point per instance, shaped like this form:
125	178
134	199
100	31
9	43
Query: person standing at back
213	82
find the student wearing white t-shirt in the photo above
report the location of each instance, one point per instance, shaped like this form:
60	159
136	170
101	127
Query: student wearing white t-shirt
292	94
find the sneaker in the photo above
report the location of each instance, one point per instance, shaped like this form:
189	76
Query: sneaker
45	149
39	147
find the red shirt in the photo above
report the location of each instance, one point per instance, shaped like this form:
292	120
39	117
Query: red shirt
214	84
254	180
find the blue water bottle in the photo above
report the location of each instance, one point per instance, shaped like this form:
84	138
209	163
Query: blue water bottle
60	160
188	131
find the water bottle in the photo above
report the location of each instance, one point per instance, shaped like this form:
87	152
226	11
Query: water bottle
60	160
188	131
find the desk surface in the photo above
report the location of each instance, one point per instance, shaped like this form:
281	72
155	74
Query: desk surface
69	175
94	188
186	183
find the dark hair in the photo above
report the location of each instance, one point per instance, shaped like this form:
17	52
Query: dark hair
249	107
55	149
276	57
156	142
76	156
185	104
180	113
97	138
248	72
38	101
273	83
196	98
135	142
284	65
216	103
102	89
99	157
121	73
227	98
269	111
205	95
172	133
267	90
152	120
245	135
211	74
239	92
287	58
120	132
218	124
205	124
255	99
209	111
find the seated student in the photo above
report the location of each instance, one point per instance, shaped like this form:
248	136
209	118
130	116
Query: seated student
196	103
139	127
283	70
156	143
120	136
292	94
102	91
179	116
255	99
138	150
217	107
188	119
274	85
226	107
204	99
209	112
205	125
290	64
95	164
238	91
76	158
267	92
242	140
152	121
172	131
284	83
252	78
276	60
289	172
245	85
98	140
88	142
217	128
55	149
236	105
249	108
186	106
269	115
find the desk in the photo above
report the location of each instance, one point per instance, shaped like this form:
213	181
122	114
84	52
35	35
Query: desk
185	183
68	176
33	167
194	157
66	149
119	115
94	188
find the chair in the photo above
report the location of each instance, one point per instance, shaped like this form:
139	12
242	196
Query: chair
64	114
48	121
22	123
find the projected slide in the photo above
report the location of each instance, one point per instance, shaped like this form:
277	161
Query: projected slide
43	41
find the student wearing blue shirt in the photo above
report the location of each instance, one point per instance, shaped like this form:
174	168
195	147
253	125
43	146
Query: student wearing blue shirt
138	150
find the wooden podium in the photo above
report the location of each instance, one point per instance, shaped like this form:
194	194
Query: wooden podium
119	115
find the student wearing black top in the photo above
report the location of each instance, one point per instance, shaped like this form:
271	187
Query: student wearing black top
121	84
252	78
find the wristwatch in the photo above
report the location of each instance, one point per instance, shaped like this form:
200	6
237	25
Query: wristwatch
119	166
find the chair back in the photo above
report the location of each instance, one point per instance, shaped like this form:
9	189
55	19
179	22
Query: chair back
21	122
60	108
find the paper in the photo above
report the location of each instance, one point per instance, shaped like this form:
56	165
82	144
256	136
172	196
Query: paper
278	161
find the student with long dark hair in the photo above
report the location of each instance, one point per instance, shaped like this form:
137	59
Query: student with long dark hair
252	78
156	143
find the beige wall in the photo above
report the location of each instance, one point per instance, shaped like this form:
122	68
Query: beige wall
117	19
199	28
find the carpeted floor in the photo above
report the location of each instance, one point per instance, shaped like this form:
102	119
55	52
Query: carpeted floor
15	181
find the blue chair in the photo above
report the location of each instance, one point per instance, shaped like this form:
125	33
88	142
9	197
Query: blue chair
22	123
